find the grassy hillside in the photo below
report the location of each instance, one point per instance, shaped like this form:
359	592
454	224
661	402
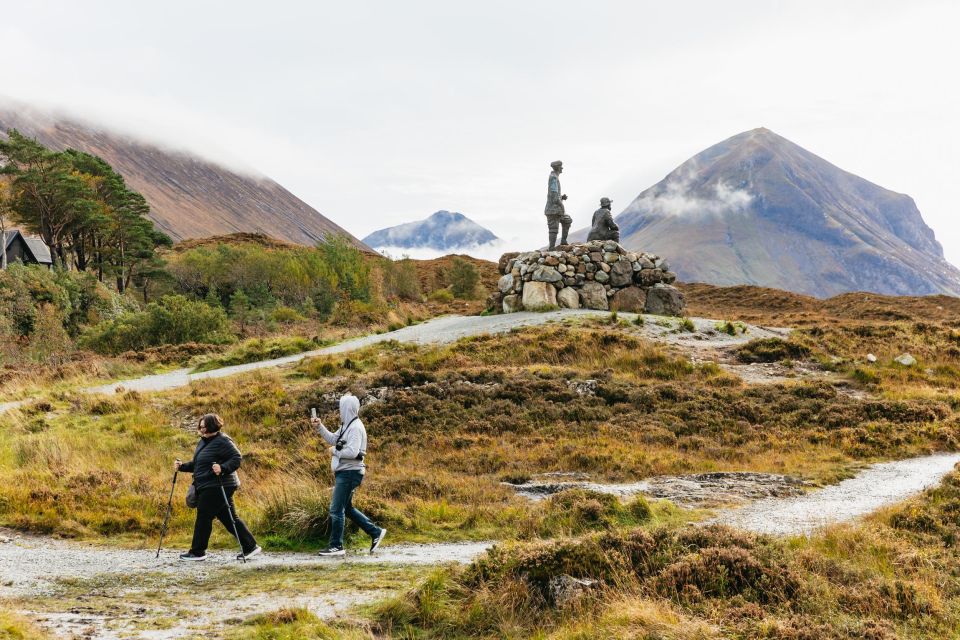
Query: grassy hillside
450	424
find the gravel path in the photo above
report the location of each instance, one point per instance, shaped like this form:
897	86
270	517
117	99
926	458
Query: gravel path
873	488
32	564
450	329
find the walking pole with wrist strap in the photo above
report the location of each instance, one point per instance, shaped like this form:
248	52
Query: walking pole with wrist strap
233	518
166	518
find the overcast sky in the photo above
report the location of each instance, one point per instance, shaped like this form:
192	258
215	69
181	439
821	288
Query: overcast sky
378	113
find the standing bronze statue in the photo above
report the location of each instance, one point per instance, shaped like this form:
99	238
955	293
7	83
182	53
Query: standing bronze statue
603	227
556	215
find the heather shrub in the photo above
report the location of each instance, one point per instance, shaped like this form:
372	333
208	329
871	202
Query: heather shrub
171	320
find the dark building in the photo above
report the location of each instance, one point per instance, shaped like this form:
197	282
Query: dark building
26	249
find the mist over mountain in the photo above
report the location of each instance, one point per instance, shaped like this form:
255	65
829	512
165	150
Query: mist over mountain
759	209
189	197
443	231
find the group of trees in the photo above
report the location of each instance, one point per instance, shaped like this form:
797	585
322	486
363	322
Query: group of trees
82	209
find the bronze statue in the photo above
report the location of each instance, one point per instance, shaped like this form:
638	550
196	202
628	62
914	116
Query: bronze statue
603	227
556	215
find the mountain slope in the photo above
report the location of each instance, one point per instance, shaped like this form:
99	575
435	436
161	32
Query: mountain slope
758	209
443	231
189	197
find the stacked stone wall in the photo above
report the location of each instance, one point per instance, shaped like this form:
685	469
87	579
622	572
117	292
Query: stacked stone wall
594	275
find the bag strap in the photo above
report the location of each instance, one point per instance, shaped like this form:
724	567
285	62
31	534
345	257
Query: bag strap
343	432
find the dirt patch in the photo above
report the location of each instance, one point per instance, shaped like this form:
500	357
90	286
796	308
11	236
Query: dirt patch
697	490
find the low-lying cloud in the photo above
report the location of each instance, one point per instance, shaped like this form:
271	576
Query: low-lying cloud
486	251
679	198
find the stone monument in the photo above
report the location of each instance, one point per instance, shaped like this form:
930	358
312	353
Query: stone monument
595	275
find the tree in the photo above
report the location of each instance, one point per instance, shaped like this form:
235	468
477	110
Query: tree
118	232
349	266
50	198
464	278
240	309
5	211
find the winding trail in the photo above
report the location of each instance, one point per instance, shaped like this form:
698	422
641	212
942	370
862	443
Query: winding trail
445	330
32	564
875	487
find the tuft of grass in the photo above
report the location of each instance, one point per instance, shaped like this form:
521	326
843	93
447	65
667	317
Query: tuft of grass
686	324
15	627
257	349
771	350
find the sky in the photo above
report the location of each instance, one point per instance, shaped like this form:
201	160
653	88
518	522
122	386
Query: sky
378	113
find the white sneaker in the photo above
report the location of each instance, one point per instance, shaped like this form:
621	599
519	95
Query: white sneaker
255	552
375	542
332	551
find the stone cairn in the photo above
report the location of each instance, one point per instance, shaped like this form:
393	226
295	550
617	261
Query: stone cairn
595	275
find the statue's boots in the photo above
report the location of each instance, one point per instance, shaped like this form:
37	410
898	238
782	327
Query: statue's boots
553	240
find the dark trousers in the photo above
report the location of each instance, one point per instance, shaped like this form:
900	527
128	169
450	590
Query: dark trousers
210	505
341	505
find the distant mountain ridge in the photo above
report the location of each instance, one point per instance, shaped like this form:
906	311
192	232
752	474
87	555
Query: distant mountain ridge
189	197
759	209
443	231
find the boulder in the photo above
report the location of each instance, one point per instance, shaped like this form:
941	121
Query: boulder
871	357
669	277
611	257
593	296
621	274
505	285
546	274
601	276
511	303
539	295
565	590
505	260
632	299
648	277
665	300
568	298
905	360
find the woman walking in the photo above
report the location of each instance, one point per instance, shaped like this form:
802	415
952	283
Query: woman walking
214	466
346	459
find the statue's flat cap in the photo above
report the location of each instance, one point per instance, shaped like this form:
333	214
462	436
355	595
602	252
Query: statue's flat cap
556	163
604	202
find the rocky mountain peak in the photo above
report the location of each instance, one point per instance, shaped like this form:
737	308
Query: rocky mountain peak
759	209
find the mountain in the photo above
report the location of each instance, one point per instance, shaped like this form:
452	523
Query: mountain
758	209
443	231
189	197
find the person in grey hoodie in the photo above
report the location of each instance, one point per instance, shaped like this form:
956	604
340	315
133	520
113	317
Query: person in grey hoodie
349	446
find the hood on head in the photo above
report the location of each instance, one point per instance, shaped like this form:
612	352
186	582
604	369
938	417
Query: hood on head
349	408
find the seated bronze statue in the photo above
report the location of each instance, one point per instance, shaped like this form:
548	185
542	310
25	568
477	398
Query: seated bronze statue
603	226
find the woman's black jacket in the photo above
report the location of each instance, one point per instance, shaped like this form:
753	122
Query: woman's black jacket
220	448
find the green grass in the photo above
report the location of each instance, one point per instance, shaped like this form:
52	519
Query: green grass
15	627
258	349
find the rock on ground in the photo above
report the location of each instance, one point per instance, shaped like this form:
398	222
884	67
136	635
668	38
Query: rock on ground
664	300
568	298
539	295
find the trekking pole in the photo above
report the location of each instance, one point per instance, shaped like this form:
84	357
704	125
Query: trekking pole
166	518
233	519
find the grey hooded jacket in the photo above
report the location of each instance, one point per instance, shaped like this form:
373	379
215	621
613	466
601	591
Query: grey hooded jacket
352	432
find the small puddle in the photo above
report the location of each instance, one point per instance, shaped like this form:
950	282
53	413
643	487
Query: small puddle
878	486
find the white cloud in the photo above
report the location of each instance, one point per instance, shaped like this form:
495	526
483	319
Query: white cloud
377	113
680	198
